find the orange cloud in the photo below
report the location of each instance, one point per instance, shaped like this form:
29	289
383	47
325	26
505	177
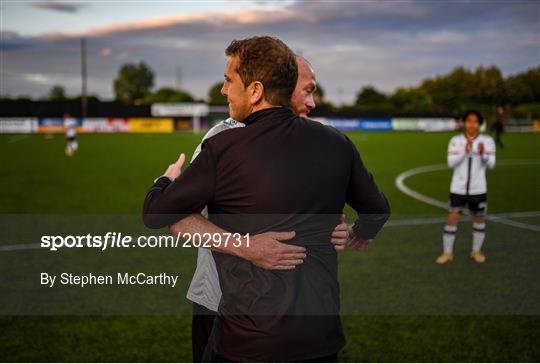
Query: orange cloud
240	17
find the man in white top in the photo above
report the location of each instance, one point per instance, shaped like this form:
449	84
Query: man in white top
265	250
70	125
469	154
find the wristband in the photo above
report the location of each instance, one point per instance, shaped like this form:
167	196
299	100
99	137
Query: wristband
170	180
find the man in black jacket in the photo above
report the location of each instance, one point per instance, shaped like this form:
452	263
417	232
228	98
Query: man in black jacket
293	176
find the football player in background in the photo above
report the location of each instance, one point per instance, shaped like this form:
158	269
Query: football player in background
469	154
498	127
70	125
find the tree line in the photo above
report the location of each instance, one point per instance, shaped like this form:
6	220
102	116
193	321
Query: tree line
484	89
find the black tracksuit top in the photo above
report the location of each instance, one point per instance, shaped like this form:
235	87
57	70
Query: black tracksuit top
279	173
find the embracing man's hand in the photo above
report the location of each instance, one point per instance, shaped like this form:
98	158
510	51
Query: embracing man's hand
266	251
340	235
357	243
175	169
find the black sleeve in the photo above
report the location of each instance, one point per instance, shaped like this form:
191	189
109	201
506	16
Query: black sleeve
168	202
366	199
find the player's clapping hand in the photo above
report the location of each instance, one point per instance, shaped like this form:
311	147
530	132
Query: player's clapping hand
468	146
340	235
481	148
175	169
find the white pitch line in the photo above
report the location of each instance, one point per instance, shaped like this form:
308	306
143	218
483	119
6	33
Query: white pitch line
519	214
522	225
11	248
502	218
417	221
437	220
400	184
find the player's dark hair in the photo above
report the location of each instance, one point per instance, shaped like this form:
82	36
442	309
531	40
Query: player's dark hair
475	113
269	61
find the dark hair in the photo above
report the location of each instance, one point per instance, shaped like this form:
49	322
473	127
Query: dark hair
475	113
269	61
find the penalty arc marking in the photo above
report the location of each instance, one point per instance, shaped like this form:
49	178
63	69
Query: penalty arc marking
400	184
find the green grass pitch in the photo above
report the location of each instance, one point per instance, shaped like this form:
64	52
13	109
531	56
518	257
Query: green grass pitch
397	304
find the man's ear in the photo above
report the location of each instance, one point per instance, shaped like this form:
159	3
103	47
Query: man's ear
256	90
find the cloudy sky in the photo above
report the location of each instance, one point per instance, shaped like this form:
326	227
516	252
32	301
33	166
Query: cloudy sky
387	44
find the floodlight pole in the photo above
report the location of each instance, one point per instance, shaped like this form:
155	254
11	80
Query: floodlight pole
178	77
84	101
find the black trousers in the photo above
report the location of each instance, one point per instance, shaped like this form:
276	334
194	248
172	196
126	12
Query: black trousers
201	331
201	328
498	140
325	359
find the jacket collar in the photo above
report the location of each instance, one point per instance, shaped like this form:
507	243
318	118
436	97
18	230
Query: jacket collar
271	113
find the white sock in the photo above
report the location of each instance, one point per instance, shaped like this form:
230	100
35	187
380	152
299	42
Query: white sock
449	237
479	233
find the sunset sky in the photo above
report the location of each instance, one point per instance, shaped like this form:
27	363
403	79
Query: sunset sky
387	44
